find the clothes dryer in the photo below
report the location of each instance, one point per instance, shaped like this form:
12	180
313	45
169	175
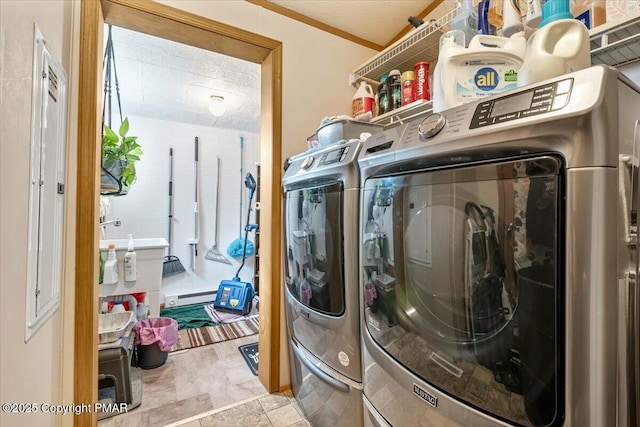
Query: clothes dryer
499	260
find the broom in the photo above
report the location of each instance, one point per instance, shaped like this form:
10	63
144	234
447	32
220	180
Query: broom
171	264
214	254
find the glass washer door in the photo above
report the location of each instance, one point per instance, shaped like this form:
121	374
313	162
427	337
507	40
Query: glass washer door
460	283
314	254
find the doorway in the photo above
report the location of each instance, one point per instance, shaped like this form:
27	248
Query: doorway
173	24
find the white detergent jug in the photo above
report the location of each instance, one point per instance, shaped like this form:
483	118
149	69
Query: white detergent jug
487	67
560	46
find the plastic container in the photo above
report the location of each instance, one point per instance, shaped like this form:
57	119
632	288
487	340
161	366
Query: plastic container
141	311
620	8
130	264
560	46
110	273
487	67
383	95
421	72
362	102
466	21
483	18
511	17
117	307
534	13
591	12
408	87
394	82
495	13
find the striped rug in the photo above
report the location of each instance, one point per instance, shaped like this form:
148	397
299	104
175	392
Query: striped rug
197	337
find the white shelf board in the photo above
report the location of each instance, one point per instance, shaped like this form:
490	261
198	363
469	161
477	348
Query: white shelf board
616	43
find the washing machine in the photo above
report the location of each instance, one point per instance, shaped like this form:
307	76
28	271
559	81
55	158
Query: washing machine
499	260
321	190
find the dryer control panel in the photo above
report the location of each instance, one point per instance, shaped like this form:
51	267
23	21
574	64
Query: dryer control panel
543	99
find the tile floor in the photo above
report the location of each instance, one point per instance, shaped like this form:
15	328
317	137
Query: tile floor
197	381
268	410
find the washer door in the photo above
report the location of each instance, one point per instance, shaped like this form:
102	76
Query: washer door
460	271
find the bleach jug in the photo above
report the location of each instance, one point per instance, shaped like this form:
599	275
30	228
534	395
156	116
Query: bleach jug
362	101
559	46
487	67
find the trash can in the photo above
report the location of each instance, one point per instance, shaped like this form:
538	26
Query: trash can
154	338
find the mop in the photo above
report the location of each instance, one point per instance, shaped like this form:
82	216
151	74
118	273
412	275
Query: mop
240	247
213	254
171	264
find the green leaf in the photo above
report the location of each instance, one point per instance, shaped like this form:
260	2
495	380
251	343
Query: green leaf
124	127
109	135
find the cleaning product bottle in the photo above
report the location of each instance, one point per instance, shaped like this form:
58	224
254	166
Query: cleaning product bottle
560	46
591	12
487	67
534	13
483	18
383	96
117	307
362	102
394	82
110	275
141	311
495	13
130	267
466	21
511	17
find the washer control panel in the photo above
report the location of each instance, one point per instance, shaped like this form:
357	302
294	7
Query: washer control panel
535	101
334	156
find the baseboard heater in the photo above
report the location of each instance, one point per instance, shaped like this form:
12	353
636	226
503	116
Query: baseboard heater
187	299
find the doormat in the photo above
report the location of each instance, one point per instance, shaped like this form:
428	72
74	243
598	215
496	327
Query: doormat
225	317
206	335
250	354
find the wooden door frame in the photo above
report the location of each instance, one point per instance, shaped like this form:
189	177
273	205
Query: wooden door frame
163	21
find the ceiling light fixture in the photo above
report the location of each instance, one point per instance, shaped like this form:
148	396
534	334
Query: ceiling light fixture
216	105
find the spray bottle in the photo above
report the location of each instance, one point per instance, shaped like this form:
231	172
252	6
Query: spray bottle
130	267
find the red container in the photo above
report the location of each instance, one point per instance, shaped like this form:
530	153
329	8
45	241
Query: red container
421	71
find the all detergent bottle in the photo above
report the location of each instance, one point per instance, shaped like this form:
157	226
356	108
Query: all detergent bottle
559	46
362	101
487	67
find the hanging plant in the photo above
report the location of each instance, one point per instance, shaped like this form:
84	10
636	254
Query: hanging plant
120	153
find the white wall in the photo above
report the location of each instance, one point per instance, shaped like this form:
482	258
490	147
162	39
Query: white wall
144	211
315	78
30	372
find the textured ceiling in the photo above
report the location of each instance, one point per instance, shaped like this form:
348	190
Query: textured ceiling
378	21
166	80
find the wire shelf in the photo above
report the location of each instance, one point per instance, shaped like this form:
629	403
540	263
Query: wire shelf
616	43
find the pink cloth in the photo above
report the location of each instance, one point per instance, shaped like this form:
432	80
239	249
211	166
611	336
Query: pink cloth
162	330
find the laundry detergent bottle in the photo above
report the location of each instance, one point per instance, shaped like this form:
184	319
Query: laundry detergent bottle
559	46
487	67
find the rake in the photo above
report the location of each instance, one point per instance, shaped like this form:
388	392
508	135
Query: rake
213	254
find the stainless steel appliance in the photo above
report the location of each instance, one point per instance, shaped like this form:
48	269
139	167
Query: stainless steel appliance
499	260
321	196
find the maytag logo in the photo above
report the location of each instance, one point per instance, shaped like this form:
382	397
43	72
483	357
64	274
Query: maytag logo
425	395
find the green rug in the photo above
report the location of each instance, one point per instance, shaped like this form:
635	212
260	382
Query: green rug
189	316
